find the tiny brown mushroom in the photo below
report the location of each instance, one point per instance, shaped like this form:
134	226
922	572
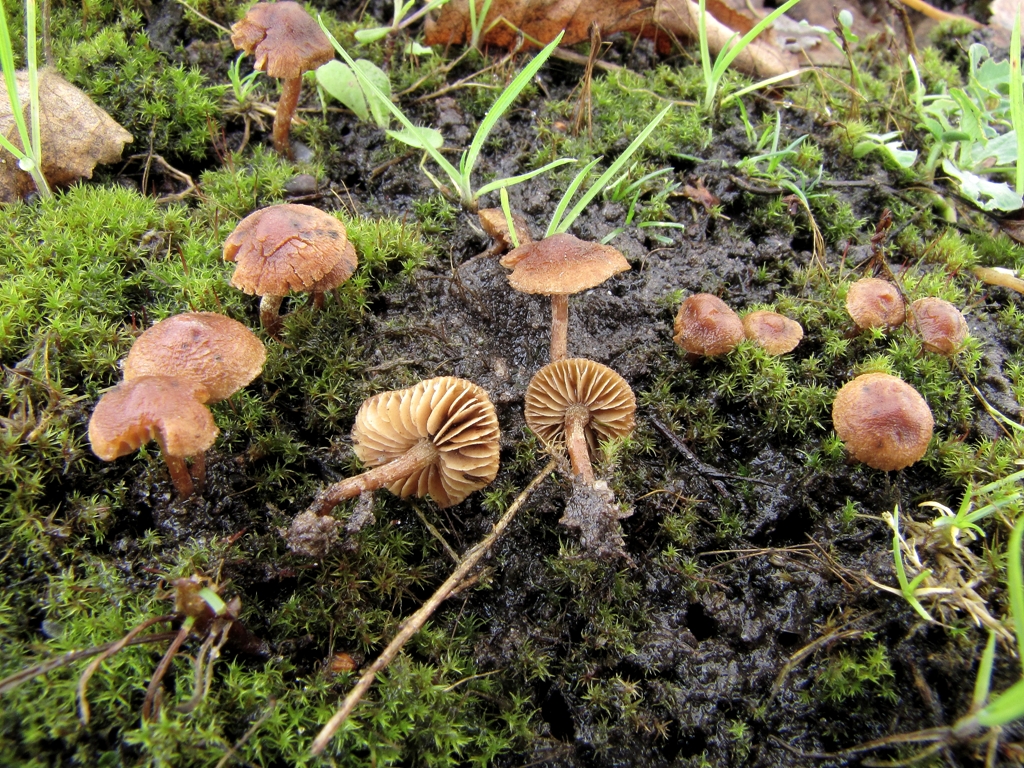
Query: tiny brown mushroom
775	333
438	438
573	403
287	42
288	247
496	225
883	421
558	266
162	408
875	303
212	350
940	325
705	325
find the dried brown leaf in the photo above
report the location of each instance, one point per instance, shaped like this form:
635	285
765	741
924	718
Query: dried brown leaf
542	20
76	135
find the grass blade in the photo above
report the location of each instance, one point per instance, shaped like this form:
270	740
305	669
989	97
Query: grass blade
567	196
609	174
503	102
511	181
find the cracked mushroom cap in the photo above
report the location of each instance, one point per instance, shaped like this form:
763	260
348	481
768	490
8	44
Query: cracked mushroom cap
875	303
562	264
940	325
288	247
212	350
162	408
776	333
454	414
706	325
560	385
883	421
285	39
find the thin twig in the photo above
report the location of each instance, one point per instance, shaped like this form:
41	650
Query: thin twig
414	623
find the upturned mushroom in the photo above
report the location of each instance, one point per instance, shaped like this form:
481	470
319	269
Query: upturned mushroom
219	353
941	326
875	303
438	439
558	266
162	408
287	42
706	326
883	421
775	333
288	247
574	402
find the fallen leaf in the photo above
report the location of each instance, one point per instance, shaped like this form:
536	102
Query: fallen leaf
76	135
701	195
542	20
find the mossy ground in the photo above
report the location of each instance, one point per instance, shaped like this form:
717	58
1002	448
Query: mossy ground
750	534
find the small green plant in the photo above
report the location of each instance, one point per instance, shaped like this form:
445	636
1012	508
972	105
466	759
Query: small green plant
241	87
1004	492
399	20
461	178
714	72
30	154
340	81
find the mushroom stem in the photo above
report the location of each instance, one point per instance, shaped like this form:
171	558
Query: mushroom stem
559	326
290	88
270	314
577	417
420	455
317	300
179	474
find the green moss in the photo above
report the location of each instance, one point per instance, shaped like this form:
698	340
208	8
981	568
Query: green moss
170	110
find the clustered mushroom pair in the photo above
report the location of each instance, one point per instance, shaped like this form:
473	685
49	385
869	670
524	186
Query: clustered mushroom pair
172	372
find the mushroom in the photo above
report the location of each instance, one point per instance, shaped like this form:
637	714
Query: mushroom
219	353
438	438
706	326
288	247
883	421
496	225
875	303
572	403
940	325
775	333
162	408
557	266
287	42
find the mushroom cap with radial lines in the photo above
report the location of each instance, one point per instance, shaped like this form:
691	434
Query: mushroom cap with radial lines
285	39
162	408
287	247
213	350
562	264
883	421
560	385
454	414
875	303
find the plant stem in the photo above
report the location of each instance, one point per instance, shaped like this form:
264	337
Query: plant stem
421	455
414	623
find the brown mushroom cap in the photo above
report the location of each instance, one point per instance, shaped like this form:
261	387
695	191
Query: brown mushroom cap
883	421
940	325
342	271
496	225
560	385
168	410
285	39
776	333
454	414
562	265
286	247
212	350
875	303
706	325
